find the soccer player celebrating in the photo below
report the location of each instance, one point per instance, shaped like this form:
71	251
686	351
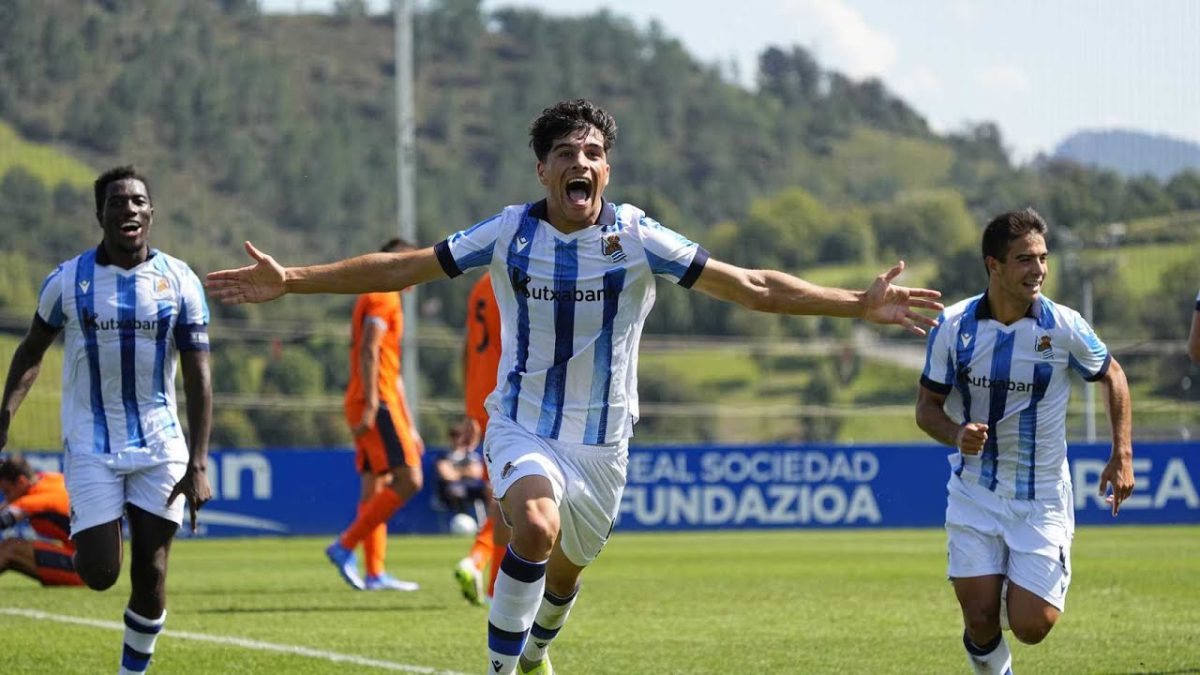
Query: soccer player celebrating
995	387
127	310
574	280
41	500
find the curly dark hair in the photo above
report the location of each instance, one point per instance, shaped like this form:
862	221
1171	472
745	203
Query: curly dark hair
566	117
113	175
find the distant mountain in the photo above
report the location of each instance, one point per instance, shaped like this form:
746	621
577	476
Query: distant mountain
1131	153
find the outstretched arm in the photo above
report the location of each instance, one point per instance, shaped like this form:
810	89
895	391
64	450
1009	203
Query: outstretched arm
23	371
781	293
266	279
1119	471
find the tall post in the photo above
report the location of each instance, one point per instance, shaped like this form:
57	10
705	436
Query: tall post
1089	389
406	211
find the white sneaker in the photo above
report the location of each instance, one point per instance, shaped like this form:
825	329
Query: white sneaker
387	582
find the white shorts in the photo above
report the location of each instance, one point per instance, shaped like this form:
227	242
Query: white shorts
587	479
101	484
1028	540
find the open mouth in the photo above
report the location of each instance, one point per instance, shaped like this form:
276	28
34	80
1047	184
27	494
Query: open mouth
131	228
579	191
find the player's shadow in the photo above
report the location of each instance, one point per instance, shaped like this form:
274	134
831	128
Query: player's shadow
1185	671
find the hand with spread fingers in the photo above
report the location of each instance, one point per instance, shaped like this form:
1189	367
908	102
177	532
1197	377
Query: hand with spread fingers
261	282
890	304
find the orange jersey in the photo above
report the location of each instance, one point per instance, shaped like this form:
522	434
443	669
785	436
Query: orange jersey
47	507
383	309
482	350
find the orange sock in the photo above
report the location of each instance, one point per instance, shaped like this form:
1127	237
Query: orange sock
373	514
497	556
481	550
374	546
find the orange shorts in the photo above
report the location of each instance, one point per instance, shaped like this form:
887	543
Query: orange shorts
388	445
55	564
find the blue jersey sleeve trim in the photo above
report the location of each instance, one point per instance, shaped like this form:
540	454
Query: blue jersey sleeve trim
935	386
446	258
1103	369
693	271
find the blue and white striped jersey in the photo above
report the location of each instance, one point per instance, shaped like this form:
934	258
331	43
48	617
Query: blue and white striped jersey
1014	378
572	308
122	330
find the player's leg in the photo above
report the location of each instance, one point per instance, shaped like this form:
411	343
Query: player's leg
17	555
595	480
531	507
501	535
562	588
150	539
976	565
375	543
97	493
152	527
1039	569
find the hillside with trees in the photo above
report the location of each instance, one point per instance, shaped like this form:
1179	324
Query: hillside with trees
280	129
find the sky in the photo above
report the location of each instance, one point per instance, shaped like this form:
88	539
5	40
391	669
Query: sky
1040	70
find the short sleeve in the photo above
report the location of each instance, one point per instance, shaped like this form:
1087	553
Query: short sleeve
381	308
671	254
1089	356
938	374
469	248
191	328
50	300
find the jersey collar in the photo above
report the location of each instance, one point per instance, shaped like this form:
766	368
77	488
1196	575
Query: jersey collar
983	310
103	259
607	217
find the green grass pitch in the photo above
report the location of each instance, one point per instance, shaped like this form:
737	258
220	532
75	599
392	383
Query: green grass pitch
719	602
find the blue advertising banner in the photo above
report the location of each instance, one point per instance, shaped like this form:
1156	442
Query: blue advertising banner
694	488
315	492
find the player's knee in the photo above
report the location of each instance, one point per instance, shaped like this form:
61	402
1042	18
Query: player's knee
99	576
1032	629
536	531
982	623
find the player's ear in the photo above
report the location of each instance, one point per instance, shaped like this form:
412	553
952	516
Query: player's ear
541	172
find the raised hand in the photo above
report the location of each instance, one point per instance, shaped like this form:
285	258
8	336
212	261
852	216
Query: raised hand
260	282
889	304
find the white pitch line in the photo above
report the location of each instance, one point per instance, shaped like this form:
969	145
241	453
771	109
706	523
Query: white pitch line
237	642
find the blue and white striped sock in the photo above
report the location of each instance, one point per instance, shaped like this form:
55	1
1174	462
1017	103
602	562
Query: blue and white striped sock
519	586
140	635
551	616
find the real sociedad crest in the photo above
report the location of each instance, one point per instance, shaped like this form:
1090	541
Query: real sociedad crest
610	246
